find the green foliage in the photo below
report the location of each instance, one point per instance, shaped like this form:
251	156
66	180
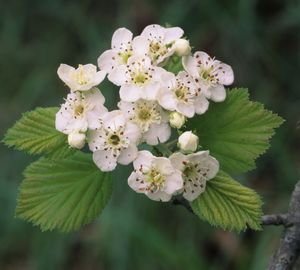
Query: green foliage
236	131
63	194
229	205
35	133
174	64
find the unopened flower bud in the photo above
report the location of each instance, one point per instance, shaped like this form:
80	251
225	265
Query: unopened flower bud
188	142
76	139
177	120
182	47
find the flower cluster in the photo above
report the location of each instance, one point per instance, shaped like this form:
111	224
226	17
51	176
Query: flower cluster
153	100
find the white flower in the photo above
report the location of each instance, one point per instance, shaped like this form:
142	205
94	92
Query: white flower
188	142
76	139
212	73
151	119
182	94
177	120
122	48
196	169
155	177
83	78
182	47
80	112
161	41
114	142
138	79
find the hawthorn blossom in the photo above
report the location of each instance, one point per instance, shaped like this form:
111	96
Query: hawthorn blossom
155	177
151	119
80	112
188	142
83	78
210	72
176	120
123	46
182	94
114	142
138	79
196	169
161	41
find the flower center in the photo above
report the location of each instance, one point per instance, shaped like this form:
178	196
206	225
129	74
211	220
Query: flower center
80	76
189	171
180	92
140	78
155	179
114	139
157	50
79	109
124	56
206	75
144	114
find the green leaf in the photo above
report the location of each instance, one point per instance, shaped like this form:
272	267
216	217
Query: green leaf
236	131
63	194
229	205
35	133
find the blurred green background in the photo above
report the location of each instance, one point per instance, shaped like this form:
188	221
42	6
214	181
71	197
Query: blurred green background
259	39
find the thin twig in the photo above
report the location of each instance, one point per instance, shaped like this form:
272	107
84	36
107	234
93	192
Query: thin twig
277	219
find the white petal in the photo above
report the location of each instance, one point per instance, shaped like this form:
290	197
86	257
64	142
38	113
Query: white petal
151	90
172	34
144	159
130	93
167	100
108	60
105	160
96	140
173	183
114	120
163	165
137	183
94	97
192	194
201	104
224	73
153	31
203	59
177	160
132	132
157	134
186	109
140	45
128	155
190	65
121	38
118	75
218	93
99	77
64	72
159	196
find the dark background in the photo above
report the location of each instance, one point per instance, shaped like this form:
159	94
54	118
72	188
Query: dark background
259	39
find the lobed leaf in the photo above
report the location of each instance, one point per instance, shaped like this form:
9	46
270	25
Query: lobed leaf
63	194
229	205
35	133
236	131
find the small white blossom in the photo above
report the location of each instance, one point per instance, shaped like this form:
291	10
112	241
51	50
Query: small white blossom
155	177
177	120
161	41
212	73
80	112
123	46
76	139
151	119
188	142
138	79
196	169
182	47
182	94
114	142
83	78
